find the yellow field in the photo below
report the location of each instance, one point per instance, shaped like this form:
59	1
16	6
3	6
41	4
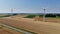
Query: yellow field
38	27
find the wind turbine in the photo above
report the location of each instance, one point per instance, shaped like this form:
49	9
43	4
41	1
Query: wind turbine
44	15
56	18
11	11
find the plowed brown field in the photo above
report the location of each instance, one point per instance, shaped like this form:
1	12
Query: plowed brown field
33	26
4	30
55	20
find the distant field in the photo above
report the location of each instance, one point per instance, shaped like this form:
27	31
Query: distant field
1	16
35	26
50	16
4	15
47	18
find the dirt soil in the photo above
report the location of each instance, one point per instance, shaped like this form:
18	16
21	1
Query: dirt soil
47	19
38	27
4	30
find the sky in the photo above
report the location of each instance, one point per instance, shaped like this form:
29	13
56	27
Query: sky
30	6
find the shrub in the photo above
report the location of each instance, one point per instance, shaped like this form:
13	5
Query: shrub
50	15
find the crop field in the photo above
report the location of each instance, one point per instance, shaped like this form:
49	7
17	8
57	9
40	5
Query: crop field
13	23
50	26
47	18
4	30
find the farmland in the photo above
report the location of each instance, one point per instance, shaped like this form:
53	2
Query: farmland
50	26
48	18
4	30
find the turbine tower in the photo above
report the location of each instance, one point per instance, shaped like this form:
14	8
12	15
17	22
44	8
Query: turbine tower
44	15
56	18
11	11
